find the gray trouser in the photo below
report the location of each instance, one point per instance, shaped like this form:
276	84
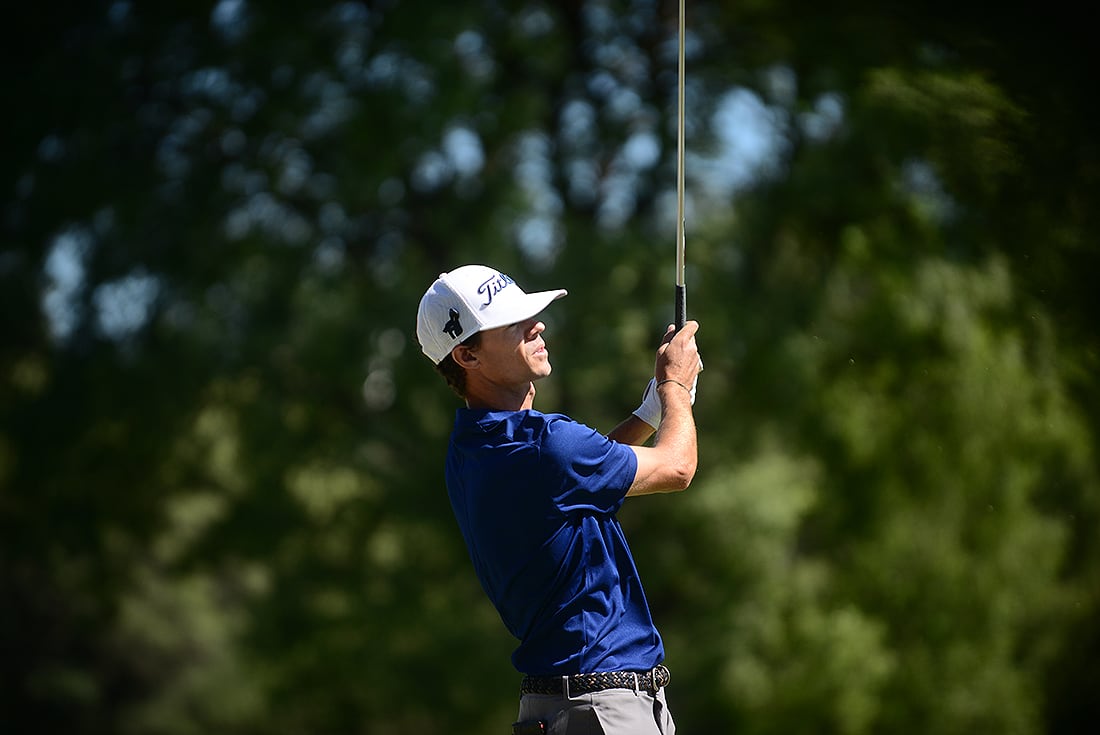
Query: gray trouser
607	712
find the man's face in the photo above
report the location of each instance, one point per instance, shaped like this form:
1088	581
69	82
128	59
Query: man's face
515	353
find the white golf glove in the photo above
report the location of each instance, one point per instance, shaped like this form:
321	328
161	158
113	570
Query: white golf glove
650	410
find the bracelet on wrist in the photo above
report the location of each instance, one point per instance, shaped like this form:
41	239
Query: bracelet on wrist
675	382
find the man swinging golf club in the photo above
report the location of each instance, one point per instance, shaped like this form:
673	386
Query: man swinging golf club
536	495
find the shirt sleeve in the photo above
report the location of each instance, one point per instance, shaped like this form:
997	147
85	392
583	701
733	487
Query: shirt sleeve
591	472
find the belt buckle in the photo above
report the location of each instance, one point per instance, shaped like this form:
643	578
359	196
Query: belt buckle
656	676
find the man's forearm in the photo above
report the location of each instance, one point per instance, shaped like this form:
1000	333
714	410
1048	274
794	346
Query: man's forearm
670	464
676	434
632	431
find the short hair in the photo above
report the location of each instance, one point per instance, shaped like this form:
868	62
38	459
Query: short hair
452	372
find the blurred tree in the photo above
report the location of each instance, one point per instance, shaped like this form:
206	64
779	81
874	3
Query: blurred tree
221	497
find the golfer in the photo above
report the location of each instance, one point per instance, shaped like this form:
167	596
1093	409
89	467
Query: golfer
535	496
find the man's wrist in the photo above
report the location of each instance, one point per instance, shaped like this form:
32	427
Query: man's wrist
650	409
670	381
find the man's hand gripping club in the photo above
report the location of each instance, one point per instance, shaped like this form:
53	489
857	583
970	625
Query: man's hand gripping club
650	409
669	465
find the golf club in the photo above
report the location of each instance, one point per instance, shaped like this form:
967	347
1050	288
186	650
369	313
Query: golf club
681	287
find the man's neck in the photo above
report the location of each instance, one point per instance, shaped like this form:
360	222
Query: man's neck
501	397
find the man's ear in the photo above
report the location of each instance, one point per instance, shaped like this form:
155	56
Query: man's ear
464	357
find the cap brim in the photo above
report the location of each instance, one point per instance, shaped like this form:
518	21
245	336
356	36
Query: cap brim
531	304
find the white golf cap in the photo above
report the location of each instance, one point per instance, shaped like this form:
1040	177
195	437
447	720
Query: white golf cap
469	300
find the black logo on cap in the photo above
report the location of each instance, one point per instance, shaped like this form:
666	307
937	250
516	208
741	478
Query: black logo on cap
452	327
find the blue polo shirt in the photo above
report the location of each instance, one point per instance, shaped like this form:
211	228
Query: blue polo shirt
535	496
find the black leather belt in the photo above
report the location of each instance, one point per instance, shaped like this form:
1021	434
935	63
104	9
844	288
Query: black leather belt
566	686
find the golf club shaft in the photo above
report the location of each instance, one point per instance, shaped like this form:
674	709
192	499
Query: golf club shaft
681	287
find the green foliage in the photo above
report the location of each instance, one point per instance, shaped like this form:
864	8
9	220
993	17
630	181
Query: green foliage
221	488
